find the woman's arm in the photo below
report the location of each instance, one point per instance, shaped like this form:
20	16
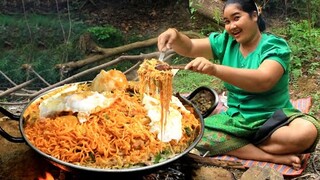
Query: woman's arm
252	80
183	45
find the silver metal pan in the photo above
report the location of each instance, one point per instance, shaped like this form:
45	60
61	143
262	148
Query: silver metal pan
73	167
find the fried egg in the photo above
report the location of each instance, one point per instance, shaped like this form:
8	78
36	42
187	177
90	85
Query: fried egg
109	81
173	127
83	103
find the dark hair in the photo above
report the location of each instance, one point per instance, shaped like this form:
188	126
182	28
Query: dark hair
248	6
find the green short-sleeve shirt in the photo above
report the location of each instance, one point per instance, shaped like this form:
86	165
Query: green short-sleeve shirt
254	106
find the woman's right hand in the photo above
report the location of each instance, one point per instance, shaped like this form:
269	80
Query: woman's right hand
183	45
202	65
167	38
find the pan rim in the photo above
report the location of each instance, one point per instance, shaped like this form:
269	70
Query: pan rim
71	167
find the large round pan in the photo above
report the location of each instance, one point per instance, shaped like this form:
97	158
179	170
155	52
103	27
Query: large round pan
72	167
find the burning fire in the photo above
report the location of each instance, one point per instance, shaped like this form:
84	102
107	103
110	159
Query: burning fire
48	176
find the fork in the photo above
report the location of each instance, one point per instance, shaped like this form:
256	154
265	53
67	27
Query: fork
161	56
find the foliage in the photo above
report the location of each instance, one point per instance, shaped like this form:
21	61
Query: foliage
109	36
217	16
193	9
106	36
45	41
305	45
315	109
206	30
38	40
296	9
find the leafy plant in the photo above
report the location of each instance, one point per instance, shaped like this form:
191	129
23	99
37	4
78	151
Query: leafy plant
193	8
217	15
305	45
315	108
303	40
107	36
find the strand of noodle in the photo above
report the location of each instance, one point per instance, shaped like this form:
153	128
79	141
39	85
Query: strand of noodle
154	82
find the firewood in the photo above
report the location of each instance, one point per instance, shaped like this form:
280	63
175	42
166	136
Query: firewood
216	162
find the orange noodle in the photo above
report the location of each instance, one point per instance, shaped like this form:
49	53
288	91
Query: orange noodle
158	84
117	136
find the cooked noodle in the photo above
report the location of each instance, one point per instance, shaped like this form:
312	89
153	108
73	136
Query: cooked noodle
115	137
157	84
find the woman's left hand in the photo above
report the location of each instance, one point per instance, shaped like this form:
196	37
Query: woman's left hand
202	65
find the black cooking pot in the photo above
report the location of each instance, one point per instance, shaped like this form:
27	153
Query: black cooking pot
72	167
205	99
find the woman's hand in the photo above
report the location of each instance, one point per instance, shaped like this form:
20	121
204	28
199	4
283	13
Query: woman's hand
202	65
183	45
167	38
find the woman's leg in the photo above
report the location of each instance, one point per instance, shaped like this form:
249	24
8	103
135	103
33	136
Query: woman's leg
254	153
294	138
283	145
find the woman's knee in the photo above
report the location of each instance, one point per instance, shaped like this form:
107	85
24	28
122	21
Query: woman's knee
302	133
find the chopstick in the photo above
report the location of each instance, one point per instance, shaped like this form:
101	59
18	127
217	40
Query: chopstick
165	67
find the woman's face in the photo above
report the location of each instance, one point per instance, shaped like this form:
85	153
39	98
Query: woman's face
239	24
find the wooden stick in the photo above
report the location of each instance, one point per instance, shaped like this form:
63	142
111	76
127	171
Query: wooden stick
216	162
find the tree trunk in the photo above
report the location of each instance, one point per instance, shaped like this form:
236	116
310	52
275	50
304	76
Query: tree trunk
102	53
211	9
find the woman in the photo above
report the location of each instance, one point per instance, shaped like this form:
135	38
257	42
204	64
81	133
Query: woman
260	123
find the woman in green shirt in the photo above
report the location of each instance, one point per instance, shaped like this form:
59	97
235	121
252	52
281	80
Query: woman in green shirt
260	123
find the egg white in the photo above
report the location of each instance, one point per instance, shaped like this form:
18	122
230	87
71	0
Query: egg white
173	127
82	103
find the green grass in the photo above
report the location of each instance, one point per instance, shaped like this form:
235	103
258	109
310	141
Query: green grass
187	81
